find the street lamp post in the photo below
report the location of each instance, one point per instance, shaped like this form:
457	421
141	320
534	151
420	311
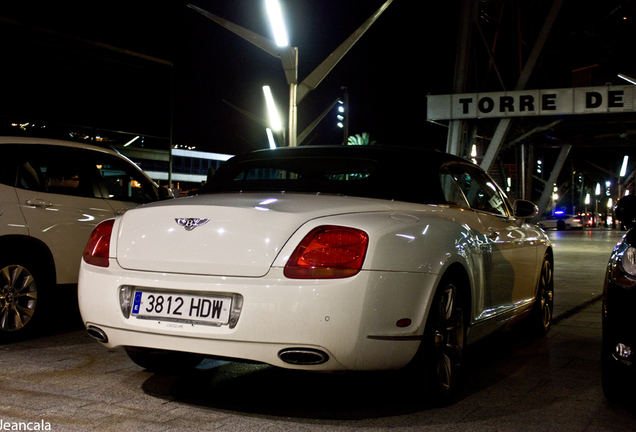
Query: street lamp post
597	192
289	55
290	64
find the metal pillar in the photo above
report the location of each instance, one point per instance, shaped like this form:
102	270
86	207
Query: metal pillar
456	137
554	175
504	124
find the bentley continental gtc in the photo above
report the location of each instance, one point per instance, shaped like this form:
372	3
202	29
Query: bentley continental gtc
323	258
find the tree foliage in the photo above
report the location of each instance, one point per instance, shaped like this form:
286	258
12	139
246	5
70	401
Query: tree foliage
361	139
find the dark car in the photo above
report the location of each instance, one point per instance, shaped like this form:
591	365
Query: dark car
619	297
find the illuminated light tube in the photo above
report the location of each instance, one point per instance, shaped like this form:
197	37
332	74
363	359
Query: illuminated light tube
270	138
278	25
274	119
131	141
624	166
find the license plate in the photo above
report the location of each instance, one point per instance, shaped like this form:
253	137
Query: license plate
182	307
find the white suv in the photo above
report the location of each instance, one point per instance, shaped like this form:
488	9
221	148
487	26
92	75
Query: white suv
52	194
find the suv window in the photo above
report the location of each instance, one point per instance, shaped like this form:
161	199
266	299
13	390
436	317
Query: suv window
82	173
56	170
120	181
8	164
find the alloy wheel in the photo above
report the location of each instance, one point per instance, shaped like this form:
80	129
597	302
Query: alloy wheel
449	338
546	293
18	297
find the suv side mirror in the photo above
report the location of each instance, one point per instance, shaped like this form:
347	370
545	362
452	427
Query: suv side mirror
524	209
625	211
165	193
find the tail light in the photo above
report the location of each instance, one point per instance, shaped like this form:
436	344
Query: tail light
328	252
96	250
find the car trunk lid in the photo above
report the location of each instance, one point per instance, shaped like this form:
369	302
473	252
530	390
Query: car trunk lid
226	234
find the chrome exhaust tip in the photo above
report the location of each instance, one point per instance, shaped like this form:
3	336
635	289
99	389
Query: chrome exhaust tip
303	356
97	333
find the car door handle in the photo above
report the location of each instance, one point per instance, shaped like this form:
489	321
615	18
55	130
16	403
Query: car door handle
492	234
38	203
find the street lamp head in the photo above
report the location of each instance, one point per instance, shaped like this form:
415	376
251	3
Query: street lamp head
278	25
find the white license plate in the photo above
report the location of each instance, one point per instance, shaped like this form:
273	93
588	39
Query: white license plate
182	307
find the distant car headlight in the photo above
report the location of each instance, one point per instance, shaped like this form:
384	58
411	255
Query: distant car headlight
623	271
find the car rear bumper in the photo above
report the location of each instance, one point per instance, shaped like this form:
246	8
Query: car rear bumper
353	321
619	325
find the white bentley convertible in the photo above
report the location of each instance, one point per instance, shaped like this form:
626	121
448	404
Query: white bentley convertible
321	258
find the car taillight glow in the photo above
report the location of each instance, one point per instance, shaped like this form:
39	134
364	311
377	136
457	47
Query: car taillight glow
328	252
98	246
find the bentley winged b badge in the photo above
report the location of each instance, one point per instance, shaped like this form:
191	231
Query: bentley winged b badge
191	223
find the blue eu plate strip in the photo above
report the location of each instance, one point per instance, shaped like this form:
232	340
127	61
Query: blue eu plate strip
136	303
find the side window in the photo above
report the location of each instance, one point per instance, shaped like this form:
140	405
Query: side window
8	164
54	170
479	190
119	180
452	192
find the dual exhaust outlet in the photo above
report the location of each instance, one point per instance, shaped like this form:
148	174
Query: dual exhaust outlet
293	356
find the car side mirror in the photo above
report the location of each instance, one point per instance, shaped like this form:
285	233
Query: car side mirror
524	209
165	193
625	211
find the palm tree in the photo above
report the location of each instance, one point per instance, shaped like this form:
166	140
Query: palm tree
364	139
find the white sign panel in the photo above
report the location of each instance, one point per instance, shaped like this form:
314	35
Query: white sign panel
581	100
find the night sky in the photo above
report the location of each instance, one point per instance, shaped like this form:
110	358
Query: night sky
53	74
388	73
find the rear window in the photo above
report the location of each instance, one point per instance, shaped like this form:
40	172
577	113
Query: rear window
389	178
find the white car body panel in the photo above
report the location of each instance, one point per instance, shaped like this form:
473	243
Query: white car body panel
64	223
278	313
243	234
12	219
411	246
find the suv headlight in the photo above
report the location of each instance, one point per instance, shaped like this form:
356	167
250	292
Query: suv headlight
623	265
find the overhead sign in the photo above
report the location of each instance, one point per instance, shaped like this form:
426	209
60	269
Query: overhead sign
580	100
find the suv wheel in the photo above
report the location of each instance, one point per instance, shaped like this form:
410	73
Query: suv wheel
20	307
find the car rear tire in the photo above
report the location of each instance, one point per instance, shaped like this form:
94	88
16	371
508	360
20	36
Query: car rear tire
540	317
22	289
163	361
440	359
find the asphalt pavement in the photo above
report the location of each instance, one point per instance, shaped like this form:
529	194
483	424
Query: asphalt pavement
65	381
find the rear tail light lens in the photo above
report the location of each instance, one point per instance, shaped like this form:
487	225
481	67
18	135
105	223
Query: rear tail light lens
98	246
328	252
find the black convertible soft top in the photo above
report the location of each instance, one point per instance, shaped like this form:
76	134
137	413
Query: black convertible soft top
394	173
